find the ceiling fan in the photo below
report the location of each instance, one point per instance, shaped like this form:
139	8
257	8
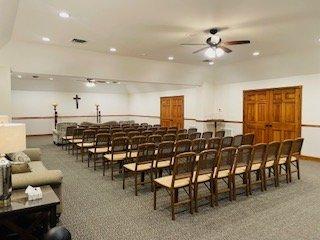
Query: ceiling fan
215	47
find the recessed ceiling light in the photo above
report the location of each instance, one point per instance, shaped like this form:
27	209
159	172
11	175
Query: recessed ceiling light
19	76
107	82
113	49
45	39
170	58
50	78
90	84
319	40
256	53
211	63
64	14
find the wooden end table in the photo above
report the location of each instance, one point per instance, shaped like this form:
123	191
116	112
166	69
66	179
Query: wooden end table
45	208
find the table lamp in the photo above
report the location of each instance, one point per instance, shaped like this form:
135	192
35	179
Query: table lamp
12	139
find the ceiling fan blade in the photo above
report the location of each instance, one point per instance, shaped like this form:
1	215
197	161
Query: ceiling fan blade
101	81
200	50
192	44
207	60
227	50
237	42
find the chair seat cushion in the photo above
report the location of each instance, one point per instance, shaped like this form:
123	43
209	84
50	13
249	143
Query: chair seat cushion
167	180
282	160
240	170
141	167
99	150
75	140
202	177
85	144
67	137
133	154
294	158
162	164
255	166
269	163
222	173
116	156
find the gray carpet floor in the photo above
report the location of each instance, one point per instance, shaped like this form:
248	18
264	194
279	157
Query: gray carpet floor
97	208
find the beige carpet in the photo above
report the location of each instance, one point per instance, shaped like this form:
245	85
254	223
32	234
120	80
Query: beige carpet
97	208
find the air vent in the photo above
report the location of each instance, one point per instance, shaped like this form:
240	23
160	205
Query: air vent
77	40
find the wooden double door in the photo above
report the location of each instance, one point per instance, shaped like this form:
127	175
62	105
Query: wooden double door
272	114
172	111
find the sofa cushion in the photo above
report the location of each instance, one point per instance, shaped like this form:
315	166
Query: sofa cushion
19	157
20	167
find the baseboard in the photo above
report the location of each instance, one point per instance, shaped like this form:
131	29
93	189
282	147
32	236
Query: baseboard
310	158
38	135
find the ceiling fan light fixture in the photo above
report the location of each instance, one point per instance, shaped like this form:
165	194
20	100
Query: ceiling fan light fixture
64	14
210	53
256	53
219	52
211	63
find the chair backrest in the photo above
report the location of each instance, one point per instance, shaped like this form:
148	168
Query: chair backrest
169	137
183	167
69	130
259	153
78	133
214	143
120	144
181	136
220	134
207	135
118	134
194	135
226	142
146	153
103	140
156	139
286	148
273	150
182	131
192	130
248	139
89	136
153	129
243	157
172	131
147	133
207	162
115	130
226	159
171	128
297	146
160	132
182	146
135	141
102	130
133	133
237	141
163	128
198	145
157	126
165	150
144	124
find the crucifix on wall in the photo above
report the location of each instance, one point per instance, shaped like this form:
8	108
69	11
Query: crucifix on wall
77	100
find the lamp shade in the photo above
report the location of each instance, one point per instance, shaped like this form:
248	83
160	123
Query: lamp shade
12	137
4	119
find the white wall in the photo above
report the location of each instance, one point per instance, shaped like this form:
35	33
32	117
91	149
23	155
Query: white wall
39	104
5	91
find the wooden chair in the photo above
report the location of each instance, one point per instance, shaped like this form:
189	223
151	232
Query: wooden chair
165	129
182	131
194	135
115	130
295	157
241	168
102	130
257	165
198	145
204	174
284	160
237	141
144	124
142	164
270	164
182	146
182	136
118	153
147	133
214	143
207	135
192	130
164	157
76	138
134	143
173	128
160	132
248	139
118	134
226	142
156	139
102	145
182	174
223	171
169	137
88	141
157	126
172	131
132	134
220	134
68	136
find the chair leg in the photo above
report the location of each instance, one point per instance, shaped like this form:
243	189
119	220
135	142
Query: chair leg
104	167
276	175
230	187
154	196
216	192
172	194
234	190
89	158
151	179
298	169
111	170
196	197
245	176
264	179
211	193
94	161
190	199
82	153
287	172
136	183
123	178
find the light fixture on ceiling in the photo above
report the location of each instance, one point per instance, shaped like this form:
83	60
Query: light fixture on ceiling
90	84
64	14
50	78
107	82
113	49
19	76
210	53
211	63
219	52
45	39
170	58
256	53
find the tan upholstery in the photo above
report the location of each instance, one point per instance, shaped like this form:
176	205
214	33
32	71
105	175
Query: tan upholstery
255	166
75	140
141	167
162	164
99	150
282	160
294	158
67	137
202	177
85	144
116	156
134	154
240	170
167	180
222	173
269	163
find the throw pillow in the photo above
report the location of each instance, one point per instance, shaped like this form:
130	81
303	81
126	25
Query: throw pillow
19	157
20	167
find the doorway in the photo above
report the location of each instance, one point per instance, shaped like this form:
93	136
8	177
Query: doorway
172	111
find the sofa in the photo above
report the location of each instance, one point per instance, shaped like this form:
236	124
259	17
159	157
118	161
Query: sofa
39	176
60	131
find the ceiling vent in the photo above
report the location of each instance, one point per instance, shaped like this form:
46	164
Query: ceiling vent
77	40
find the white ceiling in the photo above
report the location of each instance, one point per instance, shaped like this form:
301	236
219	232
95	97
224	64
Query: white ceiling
158	27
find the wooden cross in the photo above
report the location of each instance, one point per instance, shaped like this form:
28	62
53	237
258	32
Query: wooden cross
77	99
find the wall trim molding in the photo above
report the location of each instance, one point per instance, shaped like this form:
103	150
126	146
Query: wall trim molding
310	158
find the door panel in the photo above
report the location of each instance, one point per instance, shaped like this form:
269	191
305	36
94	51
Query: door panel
172	111
165	112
